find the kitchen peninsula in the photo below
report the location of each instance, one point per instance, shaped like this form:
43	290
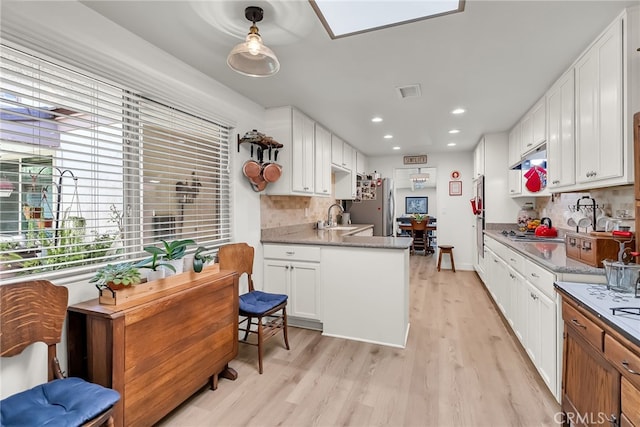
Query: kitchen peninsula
343	281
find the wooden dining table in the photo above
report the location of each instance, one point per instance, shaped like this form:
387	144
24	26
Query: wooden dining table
428	229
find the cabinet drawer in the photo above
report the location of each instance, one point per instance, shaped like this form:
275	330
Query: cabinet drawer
623	359
585	327
630	402
492	244
588	251
294	252
540	277
515	260
573	247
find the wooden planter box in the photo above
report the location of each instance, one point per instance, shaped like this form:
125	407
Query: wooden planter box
150	289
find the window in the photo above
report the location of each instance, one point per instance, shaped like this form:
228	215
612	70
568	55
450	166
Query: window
94	172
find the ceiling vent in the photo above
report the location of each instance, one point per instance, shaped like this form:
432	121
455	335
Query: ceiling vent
409	91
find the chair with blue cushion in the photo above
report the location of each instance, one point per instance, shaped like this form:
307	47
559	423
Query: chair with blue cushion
265	313
31	312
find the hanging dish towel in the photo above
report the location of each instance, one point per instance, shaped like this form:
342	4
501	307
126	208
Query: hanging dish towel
536	179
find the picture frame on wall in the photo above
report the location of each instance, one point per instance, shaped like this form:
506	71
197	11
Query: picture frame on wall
455	188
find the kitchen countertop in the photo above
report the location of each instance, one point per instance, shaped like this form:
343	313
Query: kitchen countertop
306	235
550	255
598	300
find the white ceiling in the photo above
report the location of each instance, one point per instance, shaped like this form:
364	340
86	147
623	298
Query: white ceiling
495	59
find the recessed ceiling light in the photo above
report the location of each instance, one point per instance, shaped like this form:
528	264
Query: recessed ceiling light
388	136
396	148
458	111
454	131
451	144
376	119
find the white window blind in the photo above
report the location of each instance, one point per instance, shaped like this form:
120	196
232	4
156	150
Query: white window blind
96	172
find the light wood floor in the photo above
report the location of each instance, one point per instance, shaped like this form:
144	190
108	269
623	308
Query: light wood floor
461	367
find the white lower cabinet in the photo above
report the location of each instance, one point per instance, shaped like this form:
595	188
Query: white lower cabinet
523	291
295	271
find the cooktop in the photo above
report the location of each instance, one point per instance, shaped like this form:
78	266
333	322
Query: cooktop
530	237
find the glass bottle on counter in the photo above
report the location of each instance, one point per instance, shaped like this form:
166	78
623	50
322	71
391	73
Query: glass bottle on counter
526	214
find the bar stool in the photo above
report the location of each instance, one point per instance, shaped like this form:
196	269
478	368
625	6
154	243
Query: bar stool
447	249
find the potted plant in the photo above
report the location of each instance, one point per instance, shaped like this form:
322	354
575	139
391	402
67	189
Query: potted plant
200	259
419	217
171	253
154	264
116	276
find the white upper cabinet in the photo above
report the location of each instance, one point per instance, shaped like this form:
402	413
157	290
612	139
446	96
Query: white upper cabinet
533	128
515	182
323	161
362	163
295	131
589	113
599	102
342	154
561	168
515	151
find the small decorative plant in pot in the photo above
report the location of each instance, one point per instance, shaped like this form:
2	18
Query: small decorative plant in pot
171	253
154	264
419	217
116	276
200	259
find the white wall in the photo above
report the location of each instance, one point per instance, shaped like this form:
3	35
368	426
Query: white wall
71	32
455	219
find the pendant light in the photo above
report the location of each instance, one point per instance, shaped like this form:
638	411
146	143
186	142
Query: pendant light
419	177
252	58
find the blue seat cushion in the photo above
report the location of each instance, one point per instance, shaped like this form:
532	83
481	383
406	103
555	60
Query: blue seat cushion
63	402
257	303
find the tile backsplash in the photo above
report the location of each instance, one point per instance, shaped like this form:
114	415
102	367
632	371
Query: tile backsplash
612	200
279	211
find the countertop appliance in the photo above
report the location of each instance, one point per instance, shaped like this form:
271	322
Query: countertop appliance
379	211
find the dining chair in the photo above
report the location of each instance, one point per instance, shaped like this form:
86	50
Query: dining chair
420	235
265	314
34	311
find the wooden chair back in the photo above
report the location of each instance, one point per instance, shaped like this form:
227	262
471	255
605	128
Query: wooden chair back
31	312
237	257
420	225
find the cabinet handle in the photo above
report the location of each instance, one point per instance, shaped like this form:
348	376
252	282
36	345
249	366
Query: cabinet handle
578	324
512	276
534	296
625	365
290	253
529	144
586	246
495	260
534	275
286	267
555	181
572	242
512	260
292	267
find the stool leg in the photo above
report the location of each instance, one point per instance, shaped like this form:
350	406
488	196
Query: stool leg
453	264
439	259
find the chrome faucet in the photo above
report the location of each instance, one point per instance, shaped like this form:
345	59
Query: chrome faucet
329	219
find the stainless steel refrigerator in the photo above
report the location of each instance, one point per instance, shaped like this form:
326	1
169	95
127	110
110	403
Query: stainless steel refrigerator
380	211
